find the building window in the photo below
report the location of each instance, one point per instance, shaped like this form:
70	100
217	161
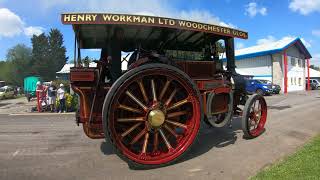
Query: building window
300	83
295	80
291	80
293	61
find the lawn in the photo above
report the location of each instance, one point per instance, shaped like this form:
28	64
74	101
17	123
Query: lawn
304	164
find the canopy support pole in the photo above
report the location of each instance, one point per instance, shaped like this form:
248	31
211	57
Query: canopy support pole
231	62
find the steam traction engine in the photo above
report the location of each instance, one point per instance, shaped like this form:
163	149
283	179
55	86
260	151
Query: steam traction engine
175	79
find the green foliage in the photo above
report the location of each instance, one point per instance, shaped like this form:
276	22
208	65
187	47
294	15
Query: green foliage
315	67
71	102
40	55
48	54
17	66
305	164
5	69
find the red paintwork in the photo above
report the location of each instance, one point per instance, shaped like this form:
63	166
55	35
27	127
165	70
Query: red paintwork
308	65
260	128
162	155
84	75
285	63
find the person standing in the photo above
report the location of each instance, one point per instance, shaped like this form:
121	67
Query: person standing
41	96
52	92
62	98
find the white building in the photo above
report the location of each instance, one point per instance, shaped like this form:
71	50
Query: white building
283	62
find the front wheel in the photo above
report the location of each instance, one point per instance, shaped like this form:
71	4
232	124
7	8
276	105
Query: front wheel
254	116
152	115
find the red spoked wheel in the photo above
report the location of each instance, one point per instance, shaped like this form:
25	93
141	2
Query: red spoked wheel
152	115
254	116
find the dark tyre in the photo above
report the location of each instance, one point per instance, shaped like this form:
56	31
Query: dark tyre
152	115
219	119
254	116
260	92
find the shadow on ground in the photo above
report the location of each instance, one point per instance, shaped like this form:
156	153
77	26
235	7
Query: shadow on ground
208	138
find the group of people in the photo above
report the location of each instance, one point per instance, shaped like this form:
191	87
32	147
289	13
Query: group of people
46	95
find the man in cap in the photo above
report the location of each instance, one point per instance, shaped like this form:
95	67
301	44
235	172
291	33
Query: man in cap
62	98
52	92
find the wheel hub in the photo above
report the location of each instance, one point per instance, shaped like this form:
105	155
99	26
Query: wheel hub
156	118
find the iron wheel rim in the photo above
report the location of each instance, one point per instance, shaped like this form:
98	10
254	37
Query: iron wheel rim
146	155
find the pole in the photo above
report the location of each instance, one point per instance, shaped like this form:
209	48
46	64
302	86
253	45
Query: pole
285	63
308	64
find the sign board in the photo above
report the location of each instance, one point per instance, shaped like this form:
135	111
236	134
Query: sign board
98	18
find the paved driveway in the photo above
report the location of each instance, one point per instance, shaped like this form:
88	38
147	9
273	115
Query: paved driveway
53	147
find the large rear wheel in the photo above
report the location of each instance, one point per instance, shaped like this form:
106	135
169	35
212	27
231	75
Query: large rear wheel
152	115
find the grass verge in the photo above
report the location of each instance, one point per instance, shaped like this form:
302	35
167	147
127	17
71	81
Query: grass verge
304	164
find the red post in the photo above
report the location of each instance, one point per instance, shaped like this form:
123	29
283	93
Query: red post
38	100
285	64
308	65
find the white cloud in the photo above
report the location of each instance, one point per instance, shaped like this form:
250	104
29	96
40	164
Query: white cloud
316	33
143	7
305	7
240	45
267	40
33	30
252	9
271	39
316	56
306	43
11	24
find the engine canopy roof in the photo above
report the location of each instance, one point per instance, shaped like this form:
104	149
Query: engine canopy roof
94	30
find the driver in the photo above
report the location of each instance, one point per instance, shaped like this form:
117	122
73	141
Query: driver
112	53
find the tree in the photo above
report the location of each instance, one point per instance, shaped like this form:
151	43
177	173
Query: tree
315	67
18	64
48	54
57	52
40	56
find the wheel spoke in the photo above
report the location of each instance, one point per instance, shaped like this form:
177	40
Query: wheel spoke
143	91
170	97
178	104
131	129
136	100
166	141
138	137
128	108
163	91
177	124
154	93
171	130
145	143
155	141
175	114
130	119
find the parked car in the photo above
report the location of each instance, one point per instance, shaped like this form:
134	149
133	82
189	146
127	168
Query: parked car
6	92
275	87
259	87
313	85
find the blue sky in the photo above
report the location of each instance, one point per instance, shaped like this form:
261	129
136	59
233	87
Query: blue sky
265	20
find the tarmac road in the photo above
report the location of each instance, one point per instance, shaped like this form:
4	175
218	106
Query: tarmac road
53	147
